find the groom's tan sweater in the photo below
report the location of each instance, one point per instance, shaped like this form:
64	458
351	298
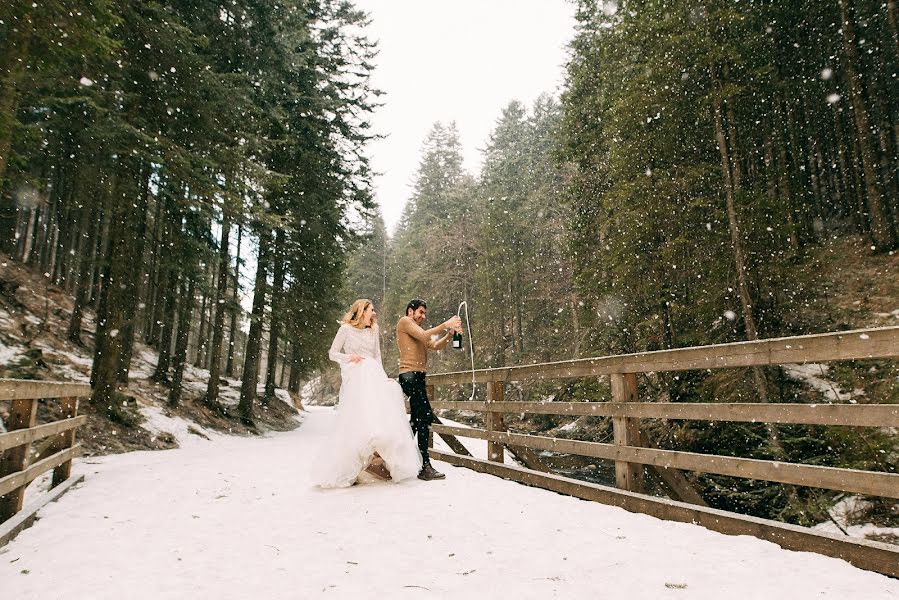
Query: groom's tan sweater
414	342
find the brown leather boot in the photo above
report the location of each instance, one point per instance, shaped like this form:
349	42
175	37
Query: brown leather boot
429	473
378	468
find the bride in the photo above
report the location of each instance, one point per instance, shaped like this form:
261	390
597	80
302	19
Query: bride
371	411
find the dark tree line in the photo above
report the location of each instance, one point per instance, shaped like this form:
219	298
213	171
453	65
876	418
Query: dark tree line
152	152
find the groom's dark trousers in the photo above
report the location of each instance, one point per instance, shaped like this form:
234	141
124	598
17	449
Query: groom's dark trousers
413	384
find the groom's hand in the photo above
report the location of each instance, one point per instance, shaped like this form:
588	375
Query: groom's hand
453	323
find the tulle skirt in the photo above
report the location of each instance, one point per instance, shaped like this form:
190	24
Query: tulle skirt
371	417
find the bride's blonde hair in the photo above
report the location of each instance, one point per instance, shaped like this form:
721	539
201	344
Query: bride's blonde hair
354	315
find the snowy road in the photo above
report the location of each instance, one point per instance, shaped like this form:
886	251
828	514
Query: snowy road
236	518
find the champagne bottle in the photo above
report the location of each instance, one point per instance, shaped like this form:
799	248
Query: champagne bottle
457	340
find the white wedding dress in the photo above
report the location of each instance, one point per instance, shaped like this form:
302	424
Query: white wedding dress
371	416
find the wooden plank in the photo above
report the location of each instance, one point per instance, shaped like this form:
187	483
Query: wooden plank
468	432
879	342
22	416
626	431
495	395
854	415
25	436
673	481
865	554
24	519
464	405
528	458
63	471
18	481
848	480
450	440
26	389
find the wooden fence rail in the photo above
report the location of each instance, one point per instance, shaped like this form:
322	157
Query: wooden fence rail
16	467
632	452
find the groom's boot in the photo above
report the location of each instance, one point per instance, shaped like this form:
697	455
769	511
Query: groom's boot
429	473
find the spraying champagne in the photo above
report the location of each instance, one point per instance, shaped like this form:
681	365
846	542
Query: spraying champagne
458	336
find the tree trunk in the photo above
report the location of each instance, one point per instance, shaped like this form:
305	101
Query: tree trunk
894	29
275	325
254	340
151	328
68	240
74	331
28	236
880	234
10	93
847	186
185	310
218	326
161	374
94	249
293	382
168	296
817	182
135	245
161	308
888	170
776	177
798	212
576	325
101	267
201	334
739	254
105	237
235	309
107	360
45	224
519	314
282	374
64	227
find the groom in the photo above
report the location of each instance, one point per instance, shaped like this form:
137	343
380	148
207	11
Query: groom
414	343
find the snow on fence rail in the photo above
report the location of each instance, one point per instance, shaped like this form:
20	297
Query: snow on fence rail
632	451
16	469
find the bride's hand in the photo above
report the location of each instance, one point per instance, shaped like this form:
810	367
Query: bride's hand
355	358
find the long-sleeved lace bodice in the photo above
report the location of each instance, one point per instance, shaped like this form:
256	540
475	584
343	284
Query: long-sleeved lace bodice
350	340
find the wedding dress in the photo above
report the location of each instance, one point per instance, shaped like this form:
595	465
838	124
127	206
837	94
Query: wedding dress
371	416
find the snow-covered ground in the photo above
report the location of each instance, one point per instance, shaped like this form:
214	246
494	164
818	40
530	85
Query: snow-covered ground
186	433
236	517
815	376
8	353
843	511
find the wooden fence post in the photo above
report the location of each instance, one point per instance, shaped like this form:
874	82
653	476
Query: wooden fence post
495	393
63	471
628	476
22	416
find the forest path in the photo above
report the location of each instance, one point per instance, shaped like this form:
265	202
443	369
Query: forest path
236	517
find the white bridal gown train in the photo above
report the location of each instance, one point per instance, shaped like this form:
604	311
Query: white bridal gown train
371	416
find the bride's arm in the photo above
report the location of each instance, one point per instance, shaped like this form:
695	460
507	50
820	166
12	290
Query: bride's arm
335	353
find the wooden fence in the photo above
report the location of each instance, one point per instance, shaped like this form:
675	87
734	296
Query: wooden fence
632	451
17	467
